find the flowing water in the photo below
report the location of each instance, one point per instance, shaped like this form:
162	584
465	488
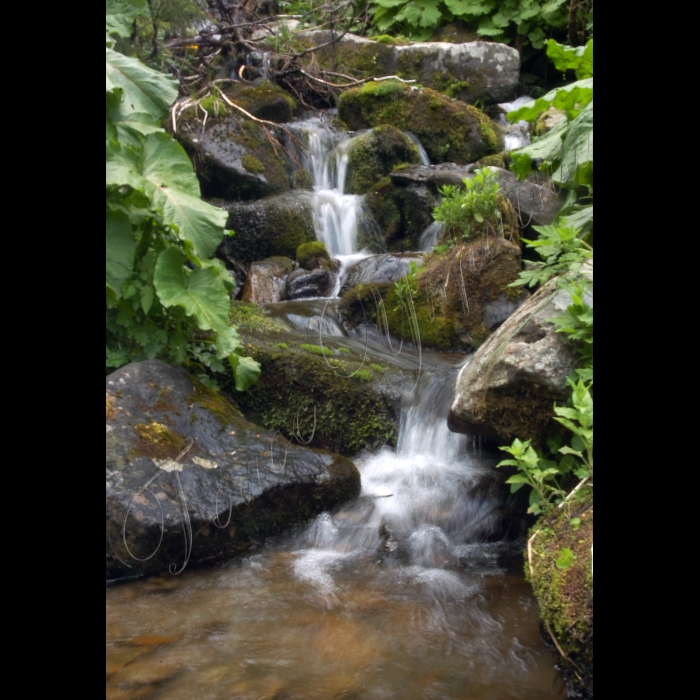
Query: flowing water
414	590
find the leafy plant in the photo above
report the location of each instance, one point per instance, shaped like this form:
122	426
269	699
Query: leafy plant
566	151
563	251
565	558
404	286
522	21
542	475
461	209
166	295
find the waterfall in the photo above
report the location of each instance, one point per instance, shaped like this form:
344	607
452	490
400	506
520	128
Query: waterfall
418	502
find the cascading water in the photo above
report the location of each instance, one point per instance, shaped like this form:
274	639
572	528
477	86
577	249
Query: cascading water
409	592
337	216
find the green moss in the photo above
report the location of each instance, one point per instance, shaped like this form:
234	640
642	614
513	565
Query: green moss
565	596
372	156
342	349
111	412
316	349
386	39
310	255
363	375
283	346
156	440
252	164
434	118
303	180
215	402
245	314
377	368
350	415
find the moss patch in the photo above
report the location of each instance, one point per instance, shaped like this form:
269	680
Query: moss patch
252	164
111	412
311	254
565	595
350	415
372	156
449	130
156	440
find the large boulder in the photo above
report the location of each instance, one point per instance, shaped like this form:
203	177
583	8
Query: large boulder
449	130
332	395
534	200
232	155
374	154
508	389
235	485
271	226
379	269
472	71
457	298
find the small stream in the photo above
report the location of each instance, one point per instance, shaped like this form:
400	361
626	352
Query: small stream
414	590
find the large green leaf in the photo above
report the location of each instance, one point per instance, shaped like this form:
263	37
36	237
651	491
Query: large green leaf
145	90
175	190
200	293
246	371
163	171
121	15
571	98
120	250
579	59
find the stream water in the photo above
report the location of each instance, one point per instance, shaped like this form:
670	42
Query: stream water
414	590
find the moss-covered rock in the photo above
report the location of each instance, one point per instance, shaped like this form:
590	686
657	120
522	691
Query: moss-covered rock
374	154
310	255
169	435
296	383
268	227
264	101
449	130
402	213
234	159
475	70
453	294
303	180
563	585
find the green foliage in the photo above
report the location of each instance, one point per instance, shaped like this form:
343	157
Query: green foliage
565	558
166	296
542	475
563	251
522	21
566	151
463	208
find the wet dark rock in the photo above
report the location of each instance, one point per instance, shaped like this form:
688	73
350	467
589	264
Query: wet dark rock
302	284
272	226
234	159
509	387
154	412
498	310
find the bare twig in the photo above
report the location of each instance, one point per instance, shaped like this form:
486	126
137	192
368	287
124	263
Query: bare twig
561	651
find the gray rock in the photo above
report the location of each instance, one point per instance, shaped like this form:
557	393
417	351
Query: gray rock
509	387
379	269
238	483
302	284
475	70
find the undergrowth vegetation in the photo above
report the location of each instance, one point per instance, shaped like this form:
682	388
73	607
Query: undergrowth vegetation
167	297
